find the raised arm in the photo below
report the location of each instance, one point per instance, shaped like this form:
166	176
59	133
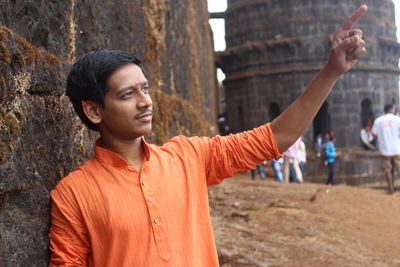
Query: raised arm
347	48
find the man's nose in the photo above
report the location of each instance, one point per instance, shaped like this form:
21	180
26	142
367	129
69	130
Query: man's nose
144	101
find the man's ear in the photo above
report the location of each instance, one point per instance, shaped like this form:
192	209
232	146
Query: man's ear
92	111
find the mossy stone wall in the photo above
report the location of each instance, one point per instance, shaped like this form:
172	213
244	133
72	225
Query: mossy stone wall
41	139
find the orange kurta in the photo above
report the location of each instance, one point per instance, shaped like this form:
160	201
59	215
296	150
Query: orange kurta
105	213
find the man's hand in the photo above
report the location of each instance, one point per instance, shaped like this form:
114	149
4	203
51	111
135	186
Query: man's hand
347	48
347	45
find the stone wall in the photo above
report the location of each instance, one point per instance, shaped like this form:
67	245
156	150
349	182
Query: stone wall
274	48
41	139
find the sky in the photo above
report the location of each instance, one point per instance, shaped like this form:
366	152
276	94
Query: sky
218	27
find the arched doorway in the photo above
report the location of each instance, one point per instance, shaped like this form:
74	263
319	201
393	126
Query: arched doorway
274	111
367	115
241	119
322	121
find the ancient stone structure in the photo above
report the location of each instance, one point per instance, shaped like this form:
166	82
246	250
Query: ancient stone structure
41	139
275	47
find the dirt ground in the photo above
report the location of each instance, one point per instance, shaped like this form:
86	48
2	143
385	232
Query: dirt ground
264	223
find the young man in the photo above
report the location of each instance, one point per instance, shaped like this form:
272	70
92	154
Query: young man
137	204
387	129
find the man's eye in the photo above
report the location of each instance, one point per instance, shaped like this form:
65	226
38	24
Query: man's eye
145	89
126	95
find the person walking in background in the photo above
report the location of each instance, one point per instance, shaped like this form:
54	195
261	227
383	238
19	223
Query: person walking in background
302	155
318	145
223	127
276	166
387	129
330	154
261	172
291	156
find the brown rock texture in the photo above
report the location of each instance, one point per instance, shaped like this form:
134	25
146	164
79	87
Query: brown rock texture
41	139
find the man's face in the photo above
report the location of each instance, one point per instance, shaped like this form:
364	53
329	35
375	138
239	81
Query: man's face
127	113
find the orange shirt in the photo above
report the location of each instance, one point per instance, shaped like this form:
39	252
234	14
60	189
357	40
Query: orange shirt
105	213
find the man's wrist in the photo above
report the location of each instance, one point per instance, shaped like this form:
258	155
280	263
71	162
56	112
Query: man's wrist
329	74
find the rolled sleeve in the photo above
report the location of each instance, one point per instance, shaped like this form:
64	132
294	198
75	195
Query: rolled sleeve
69	242
225	156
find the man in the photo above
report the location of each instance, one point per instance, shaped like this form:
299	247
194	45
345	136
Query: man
223	127
137	204
367	138
387	129
291	157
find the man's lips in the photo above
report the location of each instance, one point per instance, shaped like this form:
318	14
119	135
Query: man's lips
146	116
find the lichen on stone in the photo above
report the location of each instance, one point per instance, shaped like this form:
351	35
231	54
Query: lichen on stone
13	124
19	57
33	55
7	31
3	201
5	53
186	118
3	88
71	35
22	81
51	60
3	152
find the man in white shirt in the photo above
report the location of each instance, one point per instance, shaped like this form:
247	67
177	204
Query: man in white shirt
367	138
291	156
387	129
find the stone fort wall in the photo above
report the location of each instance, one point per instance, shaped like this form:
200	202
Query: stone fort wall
41	139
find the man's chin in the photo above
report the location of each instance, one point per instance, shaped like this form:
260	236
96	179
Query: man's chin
146	130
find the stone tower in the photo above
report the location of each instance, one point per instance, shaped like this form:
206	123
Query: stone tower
275	47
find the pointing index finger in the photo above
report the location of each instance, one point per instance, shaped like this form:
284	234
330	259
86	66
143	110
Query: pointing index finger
348	25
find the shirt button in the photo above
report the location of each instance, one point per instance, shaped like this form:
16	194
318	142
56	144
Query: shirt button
150	199
130	168
156	220
143	184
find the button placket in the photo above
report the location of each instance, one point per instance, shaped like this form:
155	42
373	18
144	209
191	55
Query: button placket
155	215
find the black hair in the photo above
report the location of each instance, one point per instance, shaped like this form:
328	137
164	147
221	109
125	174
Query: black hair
388	107
87	80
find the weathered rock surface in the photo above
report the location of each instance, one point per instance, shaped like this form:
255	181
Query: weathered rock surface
41	139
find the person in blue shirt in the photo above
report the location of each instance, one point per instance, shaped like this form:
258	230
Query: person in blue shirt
330	154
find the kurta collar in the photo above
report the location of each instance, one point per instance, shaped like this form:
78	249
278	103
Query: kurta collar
111	158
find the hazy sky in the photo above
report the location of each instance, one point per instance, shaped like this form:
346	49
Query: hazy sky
397	8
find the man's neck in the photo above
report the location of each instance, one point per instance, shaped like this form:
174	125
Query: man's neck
131	150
